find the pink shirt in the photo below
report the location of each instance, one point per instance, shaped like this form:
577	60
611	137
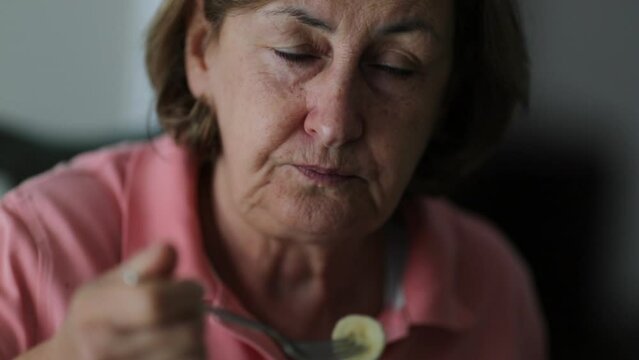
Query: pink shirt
463	292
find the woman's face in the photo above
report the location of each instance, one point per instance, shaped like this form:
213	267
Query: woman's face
324	108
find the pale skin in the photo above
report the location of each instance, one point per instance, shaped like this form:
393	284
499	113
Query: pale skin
324	110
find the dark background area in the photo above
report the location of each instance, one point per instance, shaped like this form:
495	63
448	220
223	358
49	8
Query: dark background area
548	201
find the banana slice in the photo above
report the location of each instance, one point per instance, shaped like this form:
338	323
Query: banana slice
365	331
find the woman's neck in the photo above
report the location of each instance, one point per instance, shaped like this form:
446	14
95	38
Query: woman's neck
299	287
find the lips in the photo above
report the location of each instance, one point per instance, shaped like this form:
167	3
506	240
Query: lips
325	176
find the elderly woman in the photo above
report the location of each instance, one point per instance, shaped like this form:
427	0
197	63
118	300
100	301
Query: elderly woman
304	141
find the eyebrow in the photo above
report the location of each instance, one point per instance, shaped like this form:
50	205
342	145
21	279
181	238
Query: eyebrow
303	17
410	25
403	26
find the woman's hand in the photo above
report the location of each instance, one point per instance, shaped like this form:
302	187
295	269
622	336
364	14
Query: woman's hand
153	318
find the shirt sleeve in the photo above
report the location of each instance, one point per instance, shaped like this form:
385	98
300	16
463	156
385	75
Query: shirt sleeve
22	265
56	233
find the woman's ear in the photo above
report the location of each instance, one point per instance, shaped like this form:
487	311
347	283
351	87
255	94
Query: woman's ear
198	36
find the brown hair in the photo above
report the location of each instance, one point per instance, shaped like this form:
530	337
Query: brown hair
490	78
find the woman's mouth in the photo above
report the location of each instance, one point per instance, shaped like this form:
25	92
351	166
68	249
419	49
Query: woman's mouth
324	176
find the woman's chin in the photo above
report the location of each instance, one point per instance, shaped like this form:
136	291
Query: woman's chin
318	216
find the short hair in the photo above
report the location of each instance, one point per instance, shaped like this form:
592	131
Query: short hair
489	81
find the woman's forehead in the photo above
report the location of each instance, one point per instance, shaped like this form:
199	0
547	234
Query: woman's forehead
436	13
363	7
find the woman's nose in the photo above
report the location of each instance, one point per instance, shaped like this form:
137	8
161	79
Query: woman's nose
334	118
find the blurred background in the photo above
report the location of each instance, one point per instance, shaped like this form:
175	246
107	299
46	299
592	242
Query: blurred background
564	186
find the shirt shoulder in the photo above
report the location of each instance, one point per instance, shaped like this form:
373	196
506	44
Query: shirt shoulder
58	230
77	206
485	278
477	244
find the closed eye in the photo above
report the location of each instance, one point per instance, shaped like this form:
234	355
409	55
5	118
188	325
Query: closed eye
392	70
294	57
307	58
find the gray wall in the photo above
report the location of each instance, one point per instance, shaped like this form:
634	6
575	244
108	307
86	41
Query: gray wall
73	69
585	96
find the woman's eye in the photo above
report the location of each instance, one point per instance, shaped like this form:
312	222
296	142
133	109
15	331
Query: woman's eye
298	58
394	70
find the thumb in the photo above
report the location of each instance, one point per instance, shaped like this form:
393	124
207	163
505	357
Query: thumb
157	261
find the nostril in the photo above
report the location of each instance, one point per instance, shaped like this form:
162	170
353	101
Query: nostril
335	116
333	130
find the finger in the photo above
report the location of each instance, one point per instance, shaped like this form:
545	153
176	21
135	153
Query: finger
162	303
154	303
157	261
179	341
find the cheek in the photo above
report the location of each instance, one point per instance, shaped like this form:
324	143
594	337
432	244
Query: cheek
415	117
257	111
399	140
